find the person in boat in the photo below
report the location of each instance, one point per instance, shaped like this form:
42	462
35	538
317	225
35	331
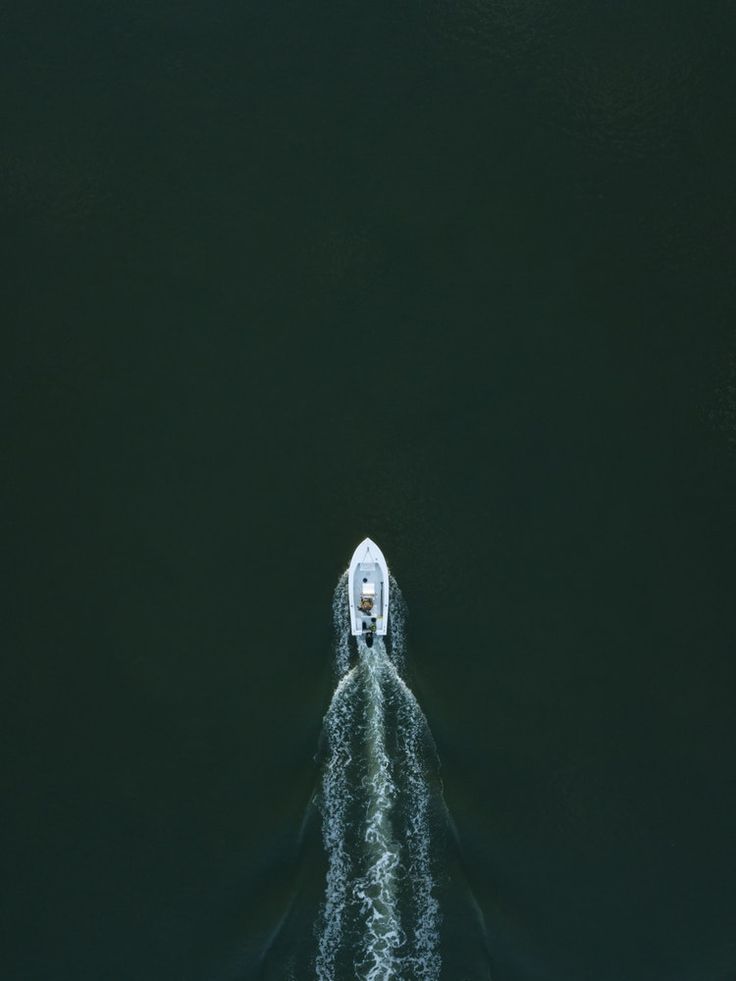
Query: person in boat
366	604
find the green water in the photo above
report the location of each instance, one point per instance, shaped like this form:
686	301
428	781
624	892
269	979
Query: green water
278	276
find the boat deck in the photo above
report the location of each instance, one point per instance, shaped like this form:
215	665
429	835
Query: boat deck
368	586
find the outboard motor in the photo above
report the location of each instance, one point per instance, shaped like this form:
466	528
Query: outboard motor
369	638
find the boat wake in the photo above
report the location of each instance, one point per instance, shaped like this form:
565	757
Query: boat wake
379	800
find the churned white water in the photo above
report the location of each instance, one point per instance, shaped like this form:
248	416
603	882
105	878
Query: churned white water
376	889
334	801
380	918
397	624
341	624
425	958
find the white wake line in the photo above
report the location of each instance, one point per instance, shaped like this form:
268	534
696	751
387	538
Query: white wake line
425	961
334	800
377	890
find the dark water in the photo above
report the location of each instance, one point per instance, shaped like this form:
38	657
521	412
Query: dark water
455	276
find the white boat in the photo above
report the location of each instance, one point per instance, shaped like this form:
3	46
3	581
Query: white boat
368	592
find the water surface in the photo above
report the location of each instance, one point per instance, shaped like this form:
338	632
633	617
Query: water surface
454	276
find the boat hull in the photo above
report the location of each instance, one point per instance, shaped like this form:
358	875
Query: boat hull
368	591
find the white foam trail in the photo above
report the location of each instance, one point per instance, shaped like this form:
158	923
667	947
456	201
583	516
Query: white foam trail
341	623
397	624
374	853
414	731
377	889
334	801
423	957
